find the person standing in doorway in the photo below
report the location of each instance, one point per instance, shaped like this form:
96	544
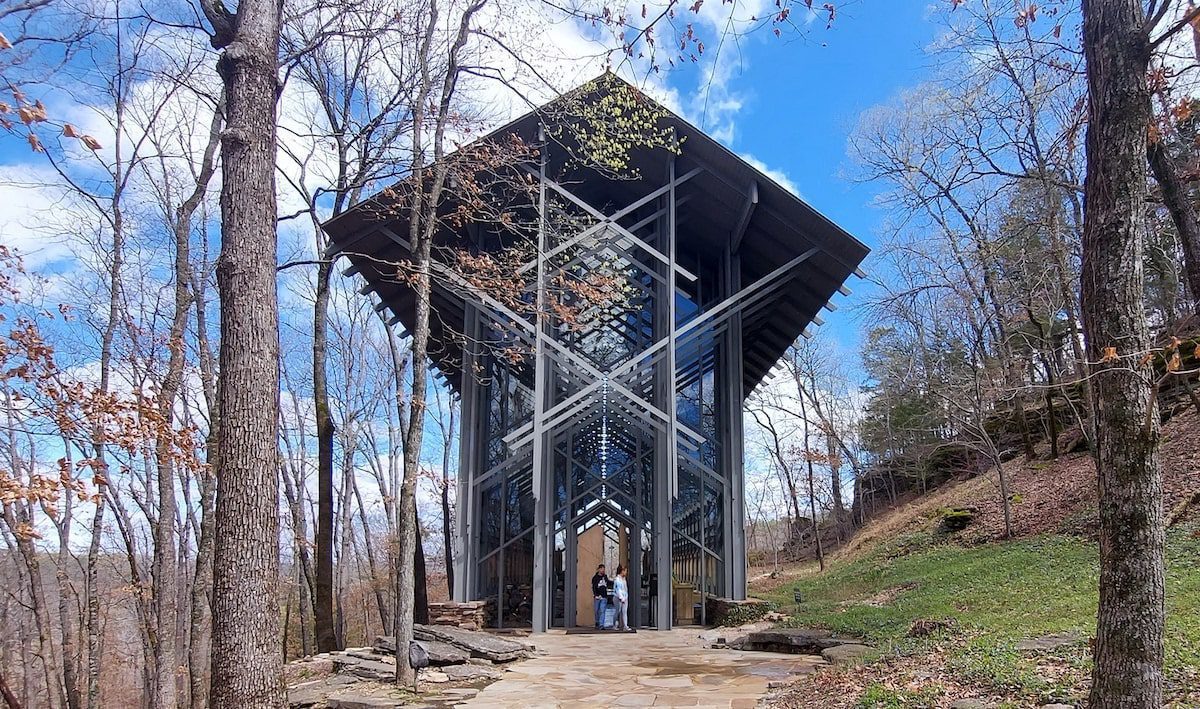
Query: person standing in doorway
600	595
621	596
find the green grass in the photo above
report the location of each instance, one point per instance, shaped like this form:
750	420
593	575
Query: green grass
997	594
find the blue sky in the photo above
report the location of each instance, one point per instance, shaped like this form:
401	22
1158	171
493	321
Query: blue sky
798	98
801	96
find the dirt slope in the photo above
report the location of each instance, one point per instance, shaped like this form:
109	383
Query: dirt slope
1048	496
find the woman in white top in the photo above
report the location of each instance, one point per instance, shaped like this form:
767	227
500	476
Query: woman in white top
621	596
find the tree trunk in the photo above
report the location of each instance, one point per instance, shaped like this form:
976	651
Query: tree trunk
70	655
92	590
812	492
6	694
165	582
1129	630
421	577
200	612
323	587
246	662
1183	214
342	566
378	584
447	536
55	695
413	435
293	491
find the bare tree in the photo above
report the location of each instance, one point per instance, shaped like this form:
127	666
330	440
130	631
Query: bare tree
246	660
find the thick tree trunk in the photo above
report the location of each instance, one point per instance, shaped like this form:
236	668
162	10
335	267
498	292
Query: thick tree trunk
1183	215
1129	632
246	662
323	587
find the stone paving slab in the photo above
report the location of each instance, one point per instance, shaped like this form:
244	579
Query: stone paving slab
647	669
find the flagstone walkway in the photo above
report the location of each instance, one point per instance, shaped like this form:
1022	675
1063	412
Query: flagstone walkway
650	668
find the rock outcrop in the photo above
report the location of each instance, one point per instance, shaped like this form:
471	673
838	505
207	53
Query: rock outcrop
484	645
363	677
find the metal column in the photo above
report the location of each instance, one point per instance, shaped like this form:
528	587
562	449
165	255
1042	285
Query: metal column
735	513
465	561
666	477
543	474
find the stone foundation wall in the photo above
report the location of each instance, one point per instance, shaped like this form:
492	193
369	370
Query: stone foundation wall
469	615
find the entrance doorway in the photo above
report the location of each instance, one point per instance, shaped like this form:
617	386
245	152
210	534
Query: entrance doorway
605	535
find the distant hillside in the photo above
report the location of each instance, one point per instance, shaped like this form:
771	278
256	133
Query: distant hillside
1048	495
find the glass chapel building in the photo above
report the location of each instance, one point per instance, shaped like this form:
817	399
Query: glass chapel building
618	438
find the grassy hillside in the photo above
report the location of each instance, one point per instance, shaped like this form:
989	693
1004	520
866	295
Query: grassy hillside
947	611
988	598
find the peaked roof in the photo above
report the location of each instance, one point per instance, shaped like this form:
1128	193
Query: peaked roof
728	203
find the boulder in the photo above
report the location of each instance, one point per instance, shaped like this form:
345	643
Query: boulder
373	670
848	654
796	641
971	704
726	611
956	519
441	653
485	645
724	635
307	695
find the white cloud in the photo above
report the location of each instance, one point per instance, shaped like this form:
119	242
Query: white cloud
32	219
778	176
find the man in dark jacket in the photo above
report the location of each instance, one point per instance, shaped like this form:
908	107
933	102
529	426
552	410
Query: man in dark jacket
600	586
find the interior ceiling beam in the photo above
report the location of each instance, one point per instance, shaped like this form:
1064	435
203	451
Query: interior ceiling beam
622	230
607	219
